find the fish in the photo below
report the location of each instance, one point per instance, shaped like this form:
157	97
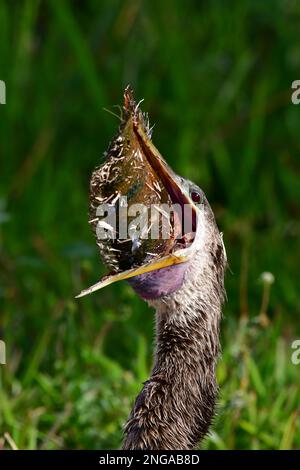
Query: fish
127	177
135	176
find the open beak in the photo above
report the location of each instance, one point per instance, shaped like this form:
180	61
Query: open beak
177	195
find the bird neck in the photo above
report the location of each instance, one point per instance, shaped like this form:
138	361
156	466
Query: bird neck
176	405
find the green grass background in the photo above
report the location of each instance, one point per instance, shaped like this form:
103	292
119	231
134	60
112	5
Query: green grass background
216	78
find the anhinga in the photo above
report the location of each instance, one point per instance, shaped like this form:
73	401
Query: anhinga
182	278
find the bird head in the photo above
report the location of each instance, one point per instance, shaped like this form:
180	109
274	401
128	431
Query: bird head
158	267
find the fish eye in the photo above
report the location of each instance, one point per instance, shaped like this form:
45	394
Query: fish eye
196	196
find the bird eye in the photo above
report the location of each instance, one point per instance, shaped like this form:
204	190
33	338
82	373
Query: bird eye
196	197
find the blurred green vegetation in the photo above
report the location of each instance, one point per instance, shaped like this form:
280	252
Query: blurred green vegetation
216	80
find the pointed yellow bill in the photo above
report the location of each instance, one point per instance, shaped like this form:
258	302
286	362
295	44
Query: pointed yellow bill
161	168
175	258
171	183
